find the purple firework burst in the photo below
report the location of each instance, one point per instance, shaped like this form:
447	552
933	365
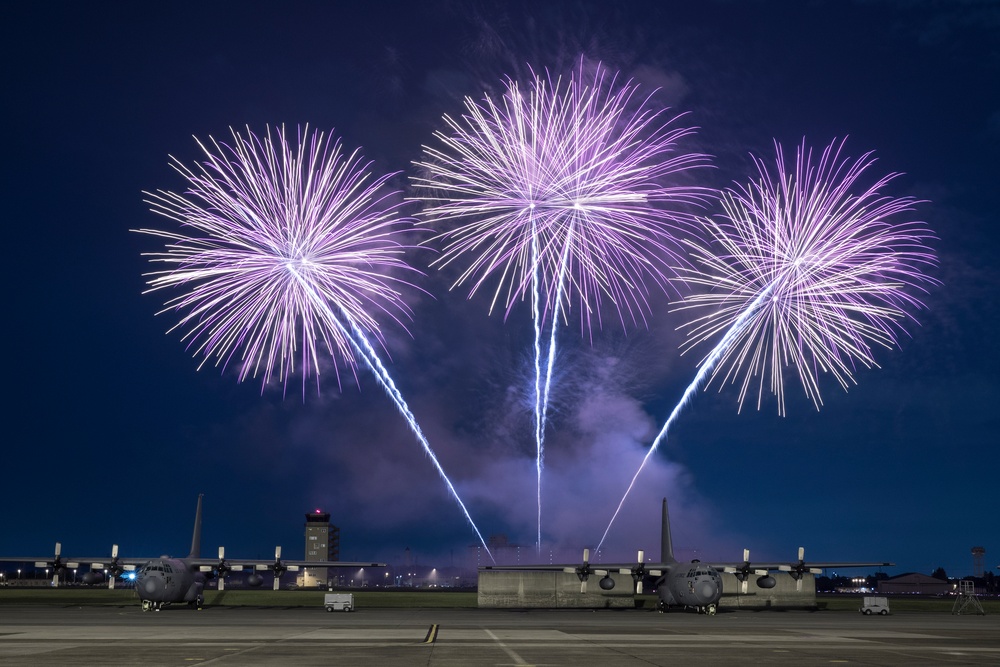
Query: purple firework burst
562	191
284	250
807	269
818	269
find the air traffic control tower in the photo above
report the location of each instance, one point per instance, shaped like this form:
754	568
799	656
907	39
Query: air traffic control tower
322	543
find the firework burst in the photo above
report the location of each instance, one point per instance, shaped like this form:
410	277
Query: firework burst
296	247
280	247
807	268
562	187
841	265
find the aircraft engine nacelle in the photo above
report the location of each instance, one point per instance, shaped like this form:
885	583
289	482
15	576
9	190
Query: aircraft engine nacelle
93	577
255	580
766	581
607	583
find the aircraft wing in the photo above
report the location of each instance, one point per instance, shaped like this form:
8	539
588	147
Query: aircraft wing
601	568
262	564
638	569
586	568
57	561
795	568
75	561
785	566
722	567
113	565
528	568
93	562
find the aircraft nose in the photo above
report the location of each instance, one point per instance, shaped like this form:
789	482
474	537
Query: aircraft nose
150	586
707	589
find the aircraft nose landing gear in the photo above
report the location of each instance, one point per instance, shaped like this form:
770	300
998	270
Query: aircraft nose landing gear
149	604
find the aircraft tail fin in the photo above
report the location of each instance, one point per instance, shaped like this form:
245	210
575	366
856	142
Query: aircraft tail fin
666	544
196	537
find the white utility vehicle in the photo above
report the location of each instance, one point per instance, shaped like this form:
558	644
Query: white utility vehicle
338	601
875	605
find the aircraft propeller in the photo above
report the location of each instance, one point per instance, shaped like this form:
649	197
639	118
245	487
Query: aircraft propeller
277	567
57	564
584	571
222	568
113	567
742	573
639	571
796	570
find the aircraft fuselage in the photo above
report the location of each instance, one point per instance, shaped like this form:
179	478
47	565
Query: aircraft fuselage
693	585
166	580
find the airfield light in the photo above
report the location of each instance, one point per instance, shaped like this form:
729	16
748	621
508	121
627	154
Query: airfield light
19	574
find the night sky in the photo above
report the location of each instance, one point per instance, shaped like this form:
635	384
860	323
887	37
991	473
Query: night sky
112	431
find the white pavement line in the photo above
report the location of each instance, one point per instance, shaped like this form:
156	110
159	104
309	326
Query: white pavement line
233	654
510	652
228	656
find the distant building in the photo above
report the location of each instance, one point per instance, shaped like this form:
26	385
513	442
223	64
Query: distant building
322	543
915	583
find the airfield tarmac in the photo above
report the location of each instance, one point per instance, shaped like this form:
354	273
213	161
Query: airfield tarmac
35	635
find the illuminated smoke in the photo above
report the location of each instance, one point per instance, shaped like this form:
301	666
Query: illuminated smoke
569	192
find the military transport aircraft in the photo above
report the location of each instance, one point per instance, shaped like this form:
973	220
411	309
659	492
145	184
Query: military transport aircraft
165	580
692	585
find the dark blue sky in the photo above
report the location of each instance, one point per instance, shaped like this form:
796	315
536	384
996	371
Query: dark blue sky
112	432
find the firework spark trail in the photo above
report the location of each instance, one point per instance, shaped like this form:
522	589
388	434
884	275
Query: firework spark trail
285	233
363	347
707	367
559	195
539	410
375	364
826	274
542	395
